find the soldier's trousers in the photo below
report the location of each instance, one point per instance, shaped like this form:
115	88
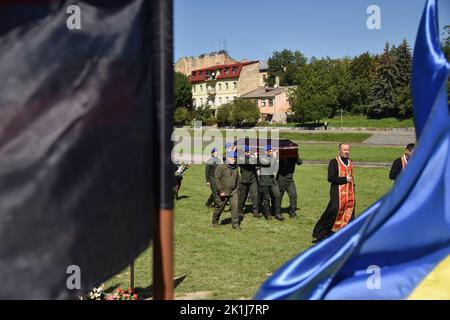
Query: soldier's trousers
271	193
214	197
244	189
289	186
234	201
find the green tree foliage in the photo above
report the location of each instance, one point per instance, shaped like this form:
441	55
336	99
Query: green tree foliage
362	70
287	65
182	91
205	114
445	44
239	113
224	113
182	116
245	113
402	93
316	95
384	85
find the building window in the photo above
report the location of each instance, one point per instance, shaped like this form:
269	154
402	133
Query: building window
220	87
263	103
226	86
234	69
227	99
194	73
193	88
234	98
270	102
220	100
201	87
227	70
235	85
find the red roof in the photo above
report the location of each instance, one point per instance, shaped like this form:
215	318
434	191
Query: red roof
232	70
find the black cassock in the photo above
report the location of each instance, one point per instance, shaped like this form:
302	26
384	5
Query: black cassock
328	218
396	169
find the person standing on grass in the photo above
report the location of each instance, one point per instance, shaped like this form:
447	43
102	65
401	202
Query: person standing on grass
285	179
400	163
227	183
269	186
341	207
249	182
210	170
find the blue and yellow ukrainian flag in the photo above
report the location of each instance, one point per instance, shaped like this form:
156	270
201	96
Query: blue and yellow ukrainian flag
400	247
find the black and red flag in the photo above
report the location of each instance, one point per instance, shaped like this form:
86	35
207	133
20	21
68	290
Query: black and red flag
85	116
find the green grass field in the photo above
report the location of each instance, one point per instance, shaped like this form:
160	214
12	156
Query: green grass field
227	264
352	121
305	136
359	153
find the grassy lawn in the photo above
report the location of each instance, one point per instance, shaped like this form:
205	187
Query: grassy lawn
353	121
229	264
358	153
306	136
328	137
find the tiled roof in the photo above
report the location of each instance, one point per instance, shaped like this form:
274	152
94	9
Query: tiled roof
226	71
265	92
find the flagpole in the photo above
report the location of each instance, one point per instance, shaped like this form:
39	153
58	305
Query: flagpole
163	256
163	284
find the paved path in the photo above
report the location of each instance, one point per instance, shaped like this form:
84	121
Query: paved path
379	138
400	138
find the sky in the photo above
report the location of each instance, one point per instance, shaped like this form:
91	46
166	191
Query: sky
254	29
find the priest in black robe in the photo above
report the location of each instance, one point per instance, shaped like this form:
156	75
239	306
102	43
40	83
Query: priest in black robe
400	163
341	208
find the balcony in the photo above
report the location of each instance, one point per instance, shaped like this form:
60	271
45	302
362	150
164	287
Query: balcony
210	78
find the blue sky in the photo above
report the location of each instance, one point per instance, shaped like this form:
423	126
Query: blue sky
253	29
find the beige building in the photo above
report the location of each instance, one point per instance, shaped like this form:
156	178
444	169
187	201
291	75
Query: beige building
217	85
263	73
186	65
273	103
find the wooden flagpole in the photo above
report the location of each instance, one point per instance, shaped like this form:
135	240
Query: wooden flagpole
163	256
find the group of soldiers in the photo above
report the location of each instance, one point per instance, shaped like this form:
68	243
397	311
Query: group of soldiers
262	176
258	175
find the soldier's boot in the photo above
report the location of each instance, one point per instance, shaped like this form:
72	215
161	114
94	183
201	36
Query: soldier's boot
279	217
215	218
268	216
236	226
292	215
256	214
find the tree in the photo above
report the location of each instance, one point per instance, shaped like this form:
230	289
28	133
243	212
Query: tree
362	70
383	88
239	113
316	95
182	91
223	116
445	44
245	113
182	116
204	114
403	69
286	65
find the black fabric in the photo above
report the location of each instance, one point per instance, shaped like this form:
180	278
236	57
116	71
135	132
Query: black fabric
323	227
248	171
84	165
287	167
396	169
